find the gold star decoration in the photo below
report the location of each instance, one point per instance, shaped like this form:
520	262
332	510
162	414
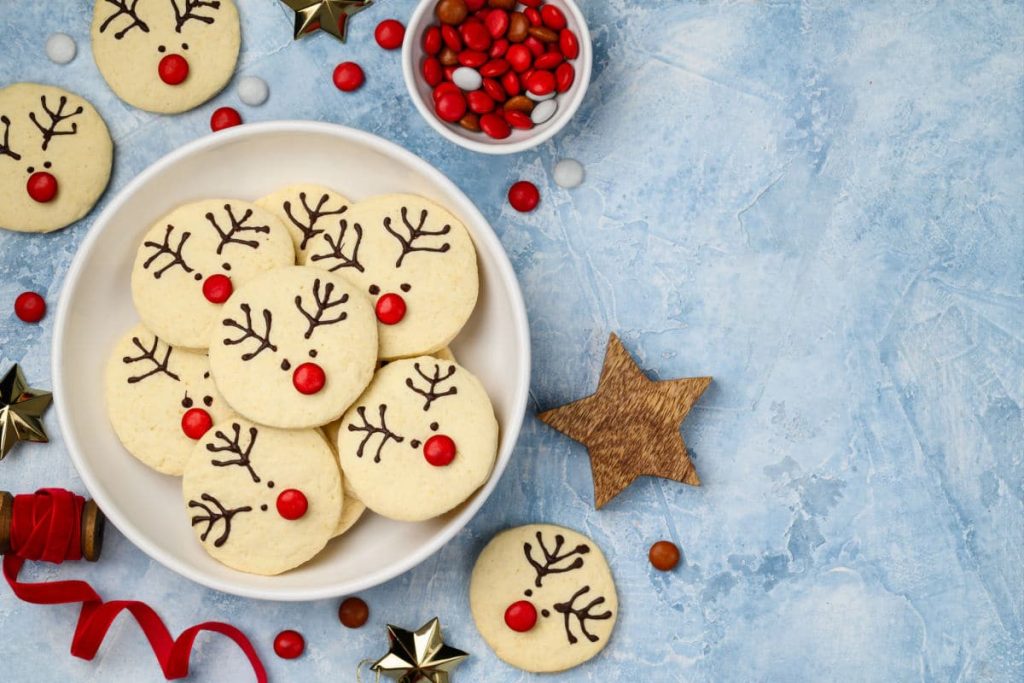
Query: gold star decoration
419	656
630	425
21	410
326	15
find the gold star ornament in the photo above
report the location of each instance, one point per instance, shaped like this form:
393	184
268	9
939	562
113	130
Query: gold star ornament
630	425
21	411
326	15
419	656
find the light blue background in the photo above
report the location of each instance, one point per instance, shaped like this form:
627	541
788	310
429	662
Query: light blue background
818	203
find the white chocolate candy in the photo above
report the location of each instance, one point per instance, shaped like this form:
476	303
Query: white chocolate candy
61	48
307	210
568	173
565	578
253	91
544	111
47	131
130	38
467	78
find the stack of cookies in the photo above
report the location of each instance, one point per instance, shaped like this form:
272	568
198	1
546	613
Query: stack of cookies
292	367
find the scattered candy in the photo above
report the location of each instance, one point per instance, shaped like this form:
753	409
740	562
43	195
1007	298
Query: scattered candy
468	79
389	34
543	111
292	505
173	69
289	644
308	378
664	555
41	186
30	307
225	117
521	616
390	308
196	422
439	450
353	612
217	288
61	48
253	91
524	196
568	173
348	76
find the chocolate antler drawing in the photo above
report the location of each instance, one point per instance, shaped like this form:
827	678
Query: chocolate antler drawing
233	445
149	355
165	248
431	393
552	558
323	304
582	614
188	11
5	146
50	130
126	8
408	242
313	215
212	517
337	248
372	431
237	226
249	332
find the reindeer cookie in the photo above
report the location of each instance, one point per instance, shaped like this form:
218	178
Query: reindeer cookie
165	56
420	440
543	598
160	400
192	259
262	500
55	156
307	211
354	507
415	260
294	348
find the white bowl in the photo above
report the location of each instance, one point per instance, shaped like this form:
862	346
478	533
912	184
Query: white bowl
519	140
96	308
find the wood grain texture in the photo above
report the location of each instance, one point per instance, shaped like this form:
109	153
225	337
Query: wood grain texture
630	425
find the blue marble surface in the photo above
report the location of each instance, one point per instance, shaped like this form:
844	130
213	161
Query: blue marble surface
818	203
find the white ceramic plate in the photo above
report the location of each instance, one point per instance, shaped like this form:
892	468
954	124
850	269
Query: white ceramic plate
96	308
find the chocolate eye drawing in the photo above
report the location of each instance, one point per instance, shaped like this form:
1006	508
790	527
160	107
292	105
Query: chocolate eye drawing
374	290
207	401
405	287
184	46
186	402
161	49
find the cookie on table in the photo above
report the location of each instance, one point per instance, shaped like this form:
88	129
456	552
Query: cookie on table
354	507
55	157
160	400
165	56
414	259
195	257
307	211
294	348
262	500
543	597
420	440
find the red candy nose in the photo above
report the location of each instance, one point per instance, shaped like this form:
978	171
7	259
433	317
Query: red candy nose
41	186
292	504
217	288
173	69
308	378
390	309
196	422
521	616
439	450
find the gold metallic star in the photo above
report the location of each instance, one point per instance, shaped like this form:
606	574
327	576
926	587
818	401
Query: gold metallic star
419	656
630	425
21	410
327	15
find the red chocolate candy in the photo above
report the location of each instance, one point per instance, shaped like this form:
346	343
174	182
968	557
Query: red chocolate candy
495	126
446	87
217	288
439	450
292	504
29	307
475	5
196	422
564	77
518	119
390	308
450	106
497	23
569	44
521	616
536	47
532	3
519	57
289	644
308	378
41	186
552	17
524	196
348	76
540	82
472	58
498	49
173	69
494	68
475	35
432	71
533	16
510	82
549	60
480	102
432	40
225	117
389	34
450	36
494	89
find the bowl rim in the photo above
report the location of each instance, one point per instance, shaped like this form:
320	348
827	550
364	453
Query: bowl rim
487	239
410	75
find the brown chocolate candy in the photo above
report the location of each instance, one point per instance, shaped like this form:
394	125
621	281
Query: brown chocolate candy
543	34
449	57
518	27
520	103
470	122
451	11
353	612
502	4
664	555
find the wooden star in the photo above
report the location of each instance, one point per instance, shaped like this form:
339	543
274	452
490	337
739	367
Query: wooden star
418	656
21	411
326	15
630	425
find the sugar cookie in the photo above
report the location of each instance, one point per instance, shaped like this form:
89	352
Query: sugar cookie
165	56
420	440
262	500
415	259
543	597
160	400
354	507
194	258
307	211
55	157
294	348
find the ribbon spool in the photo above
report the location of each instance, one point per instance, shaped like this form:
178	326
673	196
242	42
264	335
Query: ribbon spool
92	526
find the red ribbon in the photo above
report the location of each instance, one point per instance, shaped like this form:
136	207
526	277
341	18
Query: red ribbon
47	526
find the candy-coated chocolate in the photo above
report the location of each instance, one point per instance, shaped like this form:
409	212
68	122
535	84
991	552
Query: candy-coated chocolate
524	196
498	49
289	644
543	34
518	119
549	60
540	82
568	43
521	616
30	307
433	73
451	11
173	69
520	103
519	58
467	78
450	107
196	422
533	16
510	83
432	40
552	17
495	126
442	88
217	288
536	47
390	308
439	450
664	555
41	186
518	27
475	35
480	102
494	68
225	117
565	74
470	122
472	58
497	23
544	111
309	378
389	34
448	57
292	504
450	36
495	90
348	76
502	4
353	612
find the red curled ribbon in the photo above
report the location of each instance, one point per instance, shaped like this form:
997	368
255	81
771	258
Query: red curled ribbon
47	526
